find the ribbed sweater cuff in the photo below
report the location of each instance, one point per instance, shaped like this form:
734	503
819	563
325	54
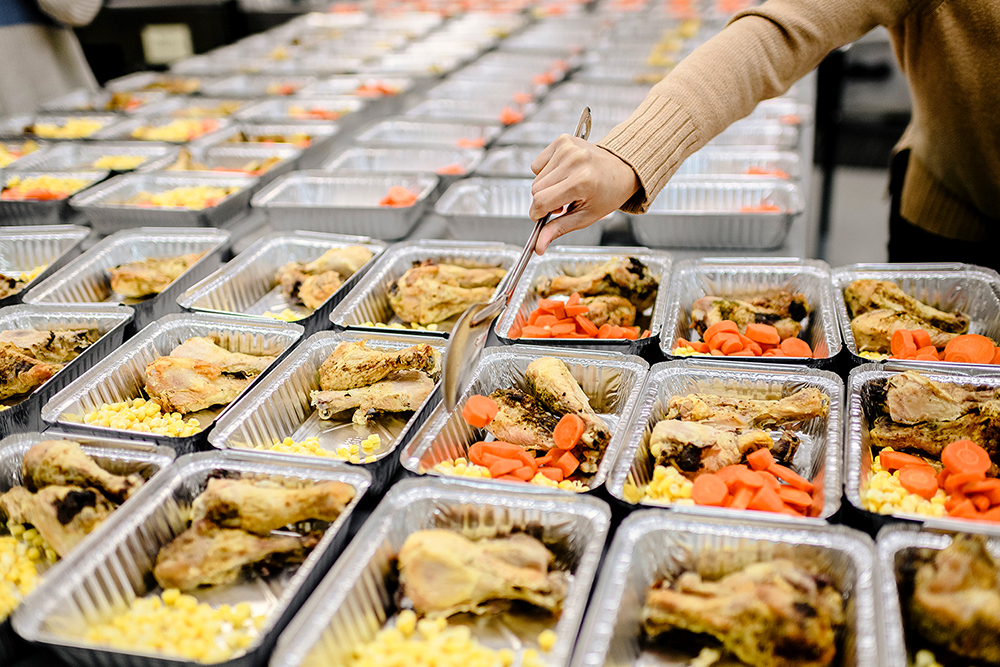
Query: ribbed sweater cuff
655	139
930	205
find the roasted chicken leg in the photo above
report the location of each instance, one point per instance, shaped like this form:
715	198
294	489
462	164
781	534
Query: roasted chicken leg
63	515
863	296
314	282
57	347
781	309
21	374
400	391
186	385
522	420
695	448
732	412
150	276
431	292
621	276
873	329
232	363
64	463
354	364
606	309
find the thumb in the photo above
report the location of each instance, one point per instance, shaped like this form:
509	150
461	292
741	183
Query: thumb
562	225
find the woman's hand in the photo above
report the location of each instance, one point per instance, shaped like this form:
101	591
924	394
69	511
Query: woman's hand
591	181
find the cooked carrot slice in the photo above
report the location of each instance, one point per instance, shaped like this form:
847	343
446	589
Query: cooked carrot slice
586	326
741	497
568	431
503	467
524	473
709	490
535	332
761	459
731	345
548	305
766	500
919	479
965	456
509	478
900	338
749	479
953	501
794	497
567	463
964	510
957	481
970	348
921	338
981	502
563	329
719	327
789	476
699	346
796	347
555	474
981	486
476	453
573	299
897	460
763	333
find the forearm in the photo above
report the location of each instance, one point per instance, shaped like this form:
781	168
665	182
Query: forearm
75	13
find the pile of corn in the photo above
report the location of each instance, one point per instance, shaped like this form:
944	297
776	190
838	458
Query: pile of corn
38	547
75	128
194	198
667	486
177	624
886	495
56	187
28	276
433	643
182	129
399	325
18	572
142	415
285	316
350	453
462	467
118	162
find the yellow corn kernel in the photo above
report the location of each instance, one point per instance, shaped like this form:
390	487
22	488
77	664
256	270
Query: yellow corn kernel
546	640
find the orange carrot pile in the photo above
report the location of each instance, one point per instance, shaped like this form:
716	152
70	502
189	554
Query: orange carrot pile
915	344
762	485
511	116
453	169
762	208
377	89
723	339
470	143
398	197
757	171
568	319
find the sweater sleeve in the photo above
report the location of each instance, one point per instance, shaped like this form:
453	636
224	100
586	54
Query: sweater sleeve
759	55
75	13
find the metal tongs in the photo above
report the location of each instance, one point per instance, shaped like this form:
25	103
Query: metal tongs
468	337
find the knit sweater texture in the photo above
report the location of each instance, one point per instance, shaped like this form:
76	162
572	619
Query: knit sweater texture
948	49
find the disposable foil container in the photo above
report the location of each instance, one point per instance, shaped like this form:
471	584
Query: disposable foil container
86	278
280	408
696	213
496	209
744	278
612	382
369	302
540	134
651	546
279	110
234	157
100	582
971	290
320	135
121	376
414	159
348	85
21	413
355	599
459	90
24	249
721	161
123	131
818	457
84	99
751	132
19	127
115	456
255	86
430	133
509	162
152	81
485	110
81	156
39	211
108	211
246	285
17	146
344	203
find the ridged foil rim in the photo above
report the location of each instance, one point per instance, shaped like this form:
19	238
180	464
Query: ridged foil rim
266	197
70	237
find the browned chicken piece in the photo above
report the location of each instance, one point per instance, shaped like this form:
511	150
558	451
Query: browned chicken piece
64	463
522	420
185	385
231	363
781	309
354	364
316	289
442	573
207	555
63	515
400	391
956	600
731	412
695	448
981	427
912	398
57	347
21	374
873	329
772	614
863	296
314	282
622	276
150	276
236	503
9	286
614	310
555	388
345	261
431	292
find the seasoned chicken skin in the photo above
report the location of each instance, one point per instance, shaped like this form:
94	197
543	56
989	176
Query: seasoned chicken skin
873	329
956	600
354	364
63	515
232	503
59	347
232	363
64	463
400	391
614	310
433	292
804	404
770	614
522	420
21	374
694	448
442	573
150	276
10	285
621	276
781	309
862	296
185	385
314	282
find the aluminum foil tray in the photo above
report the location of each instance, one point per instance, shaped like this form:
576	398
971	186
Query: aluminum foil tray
653	545
601	94
719	214
280	408
81	156
157	81
496	209
254	86
716	161
567	112
21	413
509	162
121	376
108	212
618	73
972	290
369	302
12	146
123	131
429	133
280	110
541	134
410	65
771	133
38	211
321	137
85	591
356	598
348	85
462	90
246	285
232	158
611	380
16	127
415	159
83	99
747	276
115	456
179	106
315	64
488	110
86	279
818	457
24	249
562	261
344	203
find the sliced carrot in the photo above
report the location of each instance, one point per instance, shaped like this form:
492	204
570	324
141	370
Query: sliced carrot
535	332
974	348
929	350
548	457
546	320
900	338
479	411
524	473
630	333
953	501
719	327
490	459
957	481
755	348
896	460
761	459
797	499
730	346
763	333
981	502
559	312
796	347
766	500
943	477
770	480
509	478
745	352
716	353
991	515
709	490
563	329
774	353
574	311
476	453
604	331
996	356
699	346
728	474
555	474
549	305
588	327
984	486
965	456
919	479
921	338
533	317
573	299
567	463
645	334
926	357
503	467
749	478
789	476
504	450
568	431
741	498
964	510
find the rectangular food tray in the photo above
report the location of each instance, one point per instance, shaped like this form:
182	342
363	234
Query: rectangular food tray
652	545
408	159
80	156
231	158
280	408
86	279
254	86
722	161
246	285
124	130
278	109
356	599
94	585
320	138
485	110
612	381
24	249
509	162
43	211
84	99
18	127
429	133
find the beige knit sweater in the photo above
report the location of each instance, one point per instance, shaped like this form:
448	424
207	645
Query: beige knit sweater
948	49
